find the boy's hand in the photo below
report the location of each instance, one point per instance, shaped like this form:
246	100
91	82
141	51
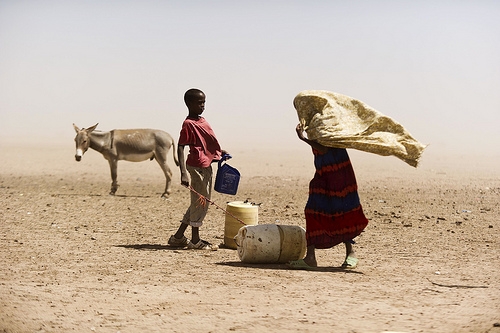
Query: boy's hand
184	179
225	155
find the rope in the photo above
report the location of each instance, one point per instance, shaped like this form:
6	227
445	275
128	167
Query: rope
204	199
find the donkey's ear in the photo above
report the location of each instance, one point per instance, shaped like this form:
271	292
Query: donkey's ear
76	128
91	128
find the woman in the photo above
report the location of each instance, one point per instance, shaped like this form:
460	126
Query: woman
333	211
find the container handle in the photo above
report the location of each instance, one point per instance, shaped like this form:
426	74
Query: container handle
224	158
236	242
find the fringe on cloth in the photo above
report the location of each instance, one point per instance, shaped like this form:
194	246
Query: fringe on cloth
336	120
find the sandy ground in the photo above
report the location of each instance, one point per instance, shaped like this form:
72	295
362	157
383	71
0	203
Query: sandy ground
75	259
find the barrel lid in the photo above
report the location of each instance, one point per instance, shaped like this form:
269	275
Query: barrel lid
241	204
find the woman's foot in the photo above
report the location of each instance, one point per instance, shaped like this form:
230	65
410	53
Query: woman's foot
350	262
301	264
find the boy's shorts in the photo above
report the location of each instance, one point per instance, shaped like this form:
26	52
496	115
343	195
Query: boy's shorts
201	181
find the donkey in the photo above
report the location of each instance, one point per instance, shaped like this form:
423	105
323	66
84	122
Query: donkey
134	145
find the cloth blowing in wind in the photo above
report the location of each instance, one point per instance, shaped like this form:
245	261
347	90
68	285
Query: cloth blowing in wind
336	120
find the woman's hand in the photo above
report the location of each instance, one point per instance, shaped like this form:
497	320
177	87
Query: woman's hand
314	144
300	131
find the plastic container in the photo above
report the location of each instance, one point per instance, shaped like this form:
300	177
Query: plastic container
247	212
270	243
227	177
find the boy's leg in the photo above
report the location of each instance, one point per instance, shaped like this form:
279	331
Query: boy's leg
195	235
201	182
180	232
178	239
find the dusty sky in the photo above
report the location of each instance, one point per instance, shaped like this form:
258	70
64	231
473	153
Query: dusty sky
434	66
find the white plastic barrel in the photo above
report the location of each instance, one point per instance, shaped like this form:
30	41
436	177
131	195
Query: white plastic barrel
247	212
270	243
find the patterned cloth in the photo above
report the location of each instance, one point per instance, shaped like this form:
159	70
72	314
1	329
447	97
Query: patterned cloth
333	211
339	121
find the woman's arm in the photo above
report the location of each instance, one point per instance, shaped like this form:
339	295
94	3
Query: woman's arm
315	145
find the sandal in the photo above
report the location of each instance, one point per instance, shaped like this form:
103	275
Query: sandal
202	245
350	263
176	242
300	264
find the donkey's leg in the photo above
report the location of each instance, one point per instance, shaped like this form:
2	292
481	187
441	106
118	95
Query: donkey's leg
113	165
161	158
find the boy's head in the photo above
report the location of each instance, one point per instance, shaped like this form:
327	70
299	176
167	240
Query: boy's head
192	94
195	101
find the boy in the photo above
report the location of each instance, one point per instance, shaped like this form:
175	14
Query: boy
203	150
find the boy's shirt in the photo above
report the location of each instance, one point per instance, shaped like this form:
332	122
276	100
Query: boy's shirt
203	145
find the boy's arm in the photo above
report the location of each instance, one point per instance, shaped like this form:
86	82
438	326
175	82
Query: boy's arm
182	165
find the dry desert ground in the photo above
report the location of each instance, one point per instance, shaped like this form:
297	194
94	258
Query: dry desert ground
75	259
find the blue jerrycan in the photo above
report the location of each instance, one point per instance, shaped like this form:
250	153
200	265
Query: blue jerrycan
227	178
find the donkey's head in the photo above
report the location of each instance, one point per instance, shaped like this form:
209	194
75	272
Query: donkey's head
82	140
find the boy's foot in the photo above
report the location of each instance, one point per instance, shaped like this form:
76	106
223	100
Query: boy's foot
178	242
350	263
202	245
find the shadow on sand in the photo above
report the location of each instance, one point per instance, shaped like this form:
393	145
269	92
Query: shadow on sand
285	267
150	247
104	195
160	247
